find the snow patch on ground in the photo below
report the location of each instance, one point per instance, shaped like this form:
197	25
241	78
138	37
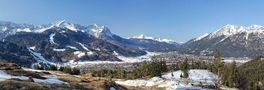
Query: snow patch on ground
32	70
152	82
85	48
33	47
4	76
58	50
72	47
195	75
174	82
52	38
115	53
79	54
70	26
89	52
184	87
50	79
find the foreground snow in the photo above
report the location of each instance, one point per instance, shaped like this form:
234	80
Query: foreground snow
4	76
32	70
195	76
50	79
151	82
184	87
173	82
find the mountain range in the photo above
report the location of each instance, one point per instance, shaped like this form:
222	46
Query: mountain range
63	42
231	40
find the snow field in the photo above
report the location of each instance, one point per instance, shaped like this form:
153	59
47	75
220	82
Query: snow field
50	79
174	82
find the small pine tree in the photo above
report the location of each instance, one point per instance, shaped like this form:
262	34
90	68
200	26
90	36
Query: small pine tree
52	67
184	67
217	64
120	73
75	71
61	68
234	75
67	69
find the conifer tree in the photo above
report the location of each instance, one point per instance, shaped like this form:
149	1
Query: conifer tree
184	67
217	63
234	75
121	73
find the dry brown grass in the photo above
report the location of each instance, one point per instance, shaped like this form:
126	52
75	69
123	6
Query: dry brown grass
94	82
23	85
16	84
84	82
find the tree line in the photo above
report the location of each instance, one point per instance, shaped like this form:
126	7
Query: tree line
148	69
248	76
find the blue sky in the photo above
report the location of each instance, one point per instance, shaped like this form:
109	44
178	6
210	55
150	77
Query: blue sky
180	20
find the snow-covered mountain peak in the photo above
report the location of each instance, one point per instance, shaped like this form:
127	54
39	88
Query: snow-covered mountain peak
142	36
64	24
95	25
106	31
166	40
12	28
228	30
58	24
255	27
99	30
70	26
